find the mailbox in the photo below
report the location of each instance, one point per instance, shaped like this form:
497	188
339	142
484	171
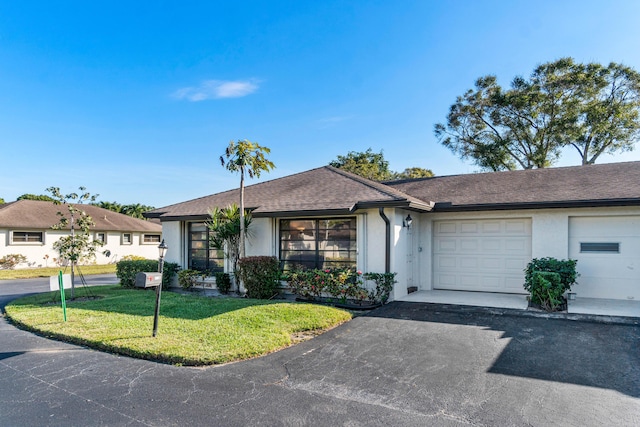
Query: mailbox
148	280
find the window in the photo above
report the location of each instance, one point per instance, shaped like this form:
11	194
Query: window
151	238
101	237
318	243
600	247
201	256
126	239
27	237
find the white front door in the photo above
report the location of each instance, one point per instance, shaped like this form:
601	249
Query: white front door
487	255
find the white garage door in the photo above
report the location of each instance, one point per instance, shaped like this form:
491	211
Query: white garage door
608	254
481	255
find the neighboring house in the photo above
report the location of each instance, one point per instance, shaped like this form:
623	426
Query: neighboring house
473	232
25	228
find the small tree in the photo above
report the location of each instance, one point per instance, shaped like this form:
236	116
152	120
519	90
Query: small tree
225	232
246	157
79	244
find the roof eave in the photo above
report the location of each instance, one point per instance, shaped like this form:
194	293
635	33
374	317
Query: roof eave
447	207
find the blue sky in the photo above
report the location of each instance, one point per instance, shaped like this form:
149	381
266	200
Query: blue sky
137	100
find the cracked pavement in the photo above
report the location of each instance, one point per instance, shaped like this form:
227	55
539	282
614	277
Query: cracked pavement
405	364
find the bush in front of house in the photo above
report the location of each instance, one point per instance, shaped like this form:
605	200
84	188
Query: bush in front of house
341	285
9	262
126	271
547	279
384	285
187	279
223	282
260	276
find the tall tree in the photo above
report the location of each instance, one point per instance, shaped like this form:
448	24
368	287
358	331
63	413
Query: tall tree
42	197
249	158
366	164
587	106
413	173
79	244
609	120
225	232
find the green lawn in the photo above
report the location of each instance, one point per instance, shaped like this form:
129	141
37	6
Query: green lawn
30	273
192	330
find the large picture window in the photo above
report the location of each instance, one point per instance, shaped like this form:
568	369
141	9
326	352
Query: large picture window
318	243
201	256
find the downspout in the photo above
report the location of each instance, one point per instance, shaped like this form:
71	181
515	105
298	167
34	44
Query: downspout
387	241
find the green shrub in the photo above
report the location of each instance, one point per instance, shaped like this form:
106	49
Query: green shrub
547	279
9	262
260	275
188	278
547	290
126	271
342	284
384	285
223	282
565	268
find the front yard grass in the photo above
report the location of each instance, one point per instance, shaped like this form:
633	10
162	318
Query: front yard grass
192	330
30	273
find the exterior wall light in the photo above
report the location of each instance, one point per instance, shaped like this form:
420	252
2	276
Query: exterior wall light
407	221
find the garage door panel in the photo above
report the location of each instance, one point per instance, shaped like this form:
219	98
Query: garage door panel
469	227
606	274
491	245
492	260
491	227
468	245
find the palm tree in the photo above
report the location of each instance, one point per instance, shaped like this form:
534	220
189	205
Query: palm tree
245	157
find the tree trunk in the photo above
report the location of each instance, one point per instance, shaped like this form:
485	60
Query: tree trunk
242	230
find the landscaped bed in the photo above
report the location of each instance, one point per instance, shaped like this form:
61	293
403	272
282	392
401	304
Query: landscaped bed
192	330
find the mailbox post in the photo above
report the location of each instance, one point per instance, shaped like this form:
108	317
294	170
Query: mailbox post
162	251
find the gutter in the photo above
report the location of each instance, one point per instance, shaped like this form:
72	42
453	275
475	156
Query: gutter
387	241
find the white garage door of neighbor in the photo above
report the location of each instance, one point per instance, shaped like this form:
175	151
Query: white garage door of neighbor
608	254
481	255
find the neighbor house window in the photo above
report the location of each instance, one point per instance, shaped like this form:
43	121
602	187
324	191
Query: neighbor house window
126	239
202	257
151	238
318	243
27	237
600	247
101	237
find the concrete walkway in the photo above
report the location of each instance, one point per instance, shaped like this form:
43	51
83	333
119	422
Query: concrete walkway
588	306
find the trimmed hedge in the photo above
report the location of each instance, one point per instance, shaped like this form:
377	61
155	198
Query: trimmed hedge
260	275
126	271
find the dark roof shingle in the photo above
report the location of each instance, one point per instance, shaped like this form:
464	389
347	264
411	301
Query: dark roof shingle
324	189
35	214
612	183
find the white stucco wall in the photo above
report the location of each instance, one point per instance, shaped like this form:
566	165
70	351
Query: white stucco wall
550	232
44	255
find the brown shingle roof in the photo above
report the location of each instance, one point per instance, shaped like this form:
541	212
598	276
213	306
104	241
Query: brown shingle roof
592	185
320	190
35	214
329	190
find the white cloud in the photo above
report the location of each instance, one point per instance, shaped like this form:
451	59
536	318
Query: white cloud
332	121
216	89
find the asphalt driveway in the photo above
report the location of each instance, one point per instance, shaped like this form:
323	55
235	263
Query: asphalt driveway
405	364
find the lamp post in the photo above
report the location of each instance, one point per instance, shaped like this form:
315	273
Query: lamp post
162	251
